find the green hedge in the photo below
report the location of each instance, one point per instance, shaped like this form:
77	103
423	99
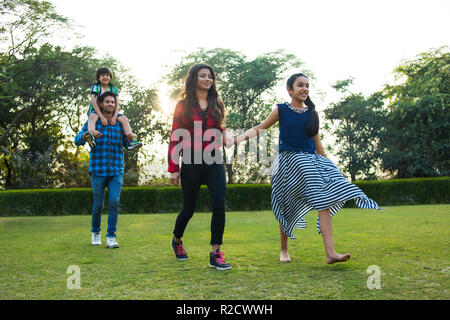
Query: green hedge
239	197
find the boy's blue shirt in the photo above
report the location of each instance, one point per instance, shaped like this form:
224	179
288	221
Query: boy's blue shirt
107	156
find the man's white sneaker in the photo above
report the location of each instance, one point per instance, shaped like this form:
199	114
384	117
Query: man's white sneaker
111	243
96	240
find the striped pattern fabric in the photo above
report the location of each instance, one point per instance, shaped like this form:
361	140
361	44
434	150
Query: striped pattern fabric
302	182
107	156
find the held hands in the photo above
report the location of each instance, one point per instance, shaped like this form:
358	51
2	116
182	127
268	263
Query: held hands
234	141
229	141
175	178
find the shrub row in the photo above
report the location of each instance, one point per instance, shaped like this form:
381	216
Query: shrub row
238	197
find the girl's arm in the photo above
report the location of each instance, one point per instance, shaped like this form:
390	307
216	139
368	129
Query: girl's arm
98	111
255	131
319	147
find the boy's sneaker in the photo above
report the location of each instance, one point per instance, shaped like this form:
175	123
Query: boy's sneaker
89	137
134	143
111	243
179	251
217	260
96	240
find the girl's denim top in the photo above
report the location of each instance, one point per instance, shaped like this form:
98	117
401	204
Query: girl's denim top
293	135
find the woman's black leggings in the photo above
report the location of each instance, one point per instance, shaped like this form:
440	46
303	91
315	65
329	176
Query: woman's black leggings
192	177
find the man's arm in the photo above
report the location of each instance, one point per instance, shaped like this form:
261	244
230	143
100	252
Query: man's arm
79	139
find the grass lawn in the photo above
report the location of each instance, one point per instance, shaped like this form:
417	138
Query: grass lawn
410	245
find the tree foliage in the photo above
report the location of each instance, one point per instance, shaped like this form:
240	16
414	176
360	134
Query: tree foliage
356	123
44	98
408	137
417	140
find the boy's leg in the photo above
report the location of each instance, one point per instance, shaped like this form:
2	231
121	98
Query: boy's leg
92	133
134	143
327	235
98	188
93	117
126	127
114	188
284	254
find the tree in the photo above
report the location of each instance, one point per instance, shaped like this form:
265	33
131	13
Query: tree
52	87
417	140
44	98
356	123
24	24
141	107
246	88
32	106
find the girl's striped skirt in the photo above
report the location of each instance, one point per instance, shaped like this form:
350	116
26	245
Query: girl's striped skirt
302	182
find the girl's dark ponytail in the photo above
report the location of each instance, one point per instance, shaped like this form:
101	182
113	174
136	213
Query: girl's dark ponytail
312	127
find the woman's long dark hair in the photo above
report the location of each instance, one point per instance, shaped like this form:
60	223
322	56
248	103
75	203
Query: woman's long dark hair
189	94
312	127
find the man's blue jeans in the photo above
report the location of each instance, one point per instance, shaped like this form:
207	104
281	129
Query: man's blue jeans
114	185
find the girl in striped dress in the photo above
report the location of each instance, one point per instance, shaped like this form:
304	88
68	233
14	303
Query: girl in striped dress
303	178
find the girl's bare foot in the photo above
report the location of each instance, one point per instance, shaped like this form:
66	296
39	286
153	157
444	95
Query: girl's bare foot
336	257
284	256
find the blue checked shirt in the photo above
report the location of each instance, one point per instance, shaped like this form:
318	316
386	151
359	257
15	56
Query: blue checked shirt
107	156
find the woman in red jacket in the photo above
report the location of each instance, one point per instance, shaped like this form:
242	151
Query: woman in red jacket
198	119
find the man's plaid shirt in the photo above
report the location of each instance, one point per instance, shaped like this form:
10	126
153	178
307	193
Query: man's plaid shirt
196	142
107	156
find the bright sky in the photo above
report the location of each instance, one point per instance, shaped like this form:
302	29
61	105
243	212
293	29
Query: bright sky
335	39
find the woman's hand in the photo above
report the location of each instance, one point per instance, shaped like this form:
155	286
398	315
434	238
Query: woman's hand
229	141
175	178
